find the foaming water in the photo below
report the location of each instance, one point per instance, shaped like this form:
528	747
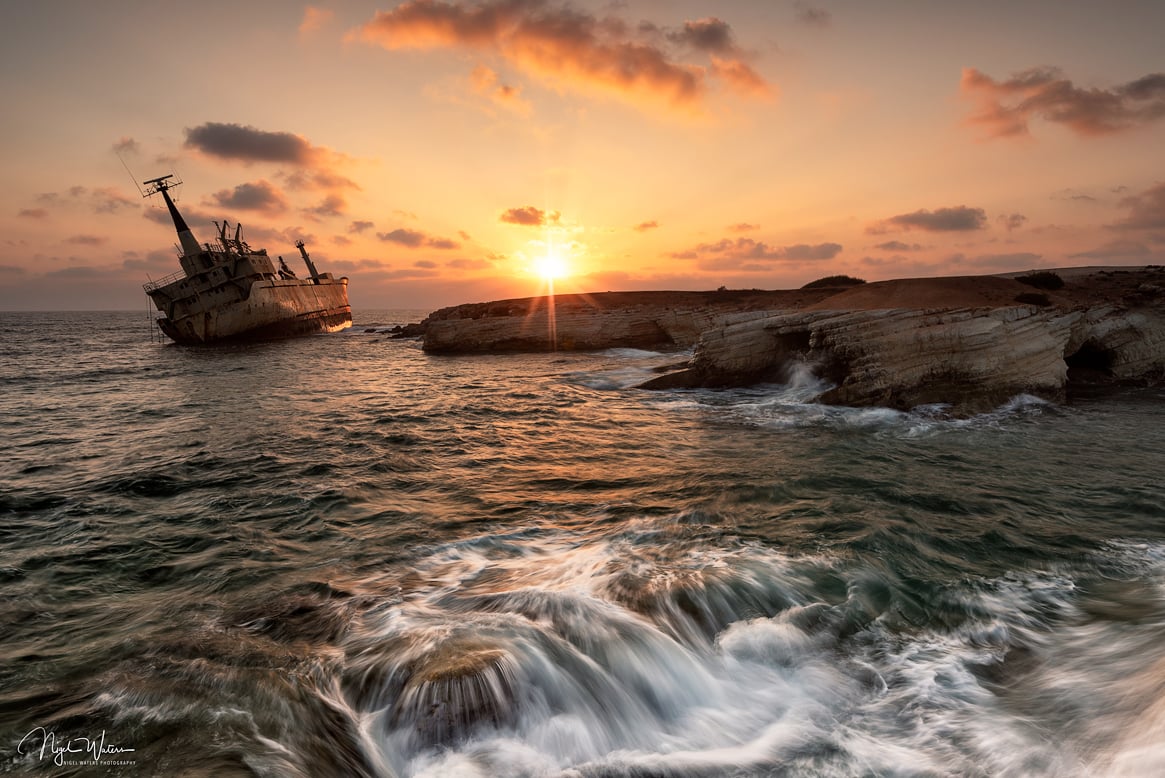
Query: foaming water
338	555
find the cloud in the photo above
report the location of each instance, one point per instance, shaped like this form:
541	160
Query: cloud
316	180
360	226
1146	210
568	47
813	17
126	145
416	239
331	205
897	245
33	213
87	240
711	35
108	199
645	226
529	216
1116	248
959	218
102	199
743	227
1011	221
1006	108
1073	195
261	196
469	264
485	82
248	144
740	77
752	255
314	19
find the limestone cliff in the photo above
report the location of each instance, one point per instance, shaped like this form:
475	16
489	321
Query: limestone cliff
972	358
971	342
575	322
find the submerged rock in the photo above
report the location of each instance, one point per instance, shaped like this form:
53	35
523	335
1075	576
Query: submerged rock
459	685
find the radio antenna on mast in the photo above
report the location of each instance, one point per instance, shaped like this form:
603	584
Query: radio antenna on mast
132	177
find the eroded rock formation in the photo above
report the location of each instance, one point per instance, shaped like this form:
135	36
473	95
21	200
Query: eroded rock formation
970	342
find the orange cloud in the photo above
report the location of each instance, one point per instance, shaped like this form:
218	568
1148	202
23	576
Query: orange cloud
1006	108
314	19
741	78
486	82
568	47
529	216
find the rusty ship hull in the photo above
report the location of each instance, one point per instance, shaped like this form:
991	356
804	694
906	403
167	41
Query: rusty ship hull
229	292
272	309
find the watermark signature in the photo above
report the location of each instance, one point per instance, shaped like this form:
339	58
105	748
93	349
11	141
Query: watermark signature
72	750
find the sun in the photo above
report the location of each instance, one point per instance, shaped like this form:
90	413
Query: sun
551	266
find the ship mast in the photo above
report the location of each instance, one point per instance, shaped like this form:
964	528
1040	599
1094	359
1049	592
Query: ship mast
185	236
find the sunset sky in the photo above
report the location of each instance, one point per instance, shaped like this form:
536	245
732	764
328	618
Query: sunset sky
436	152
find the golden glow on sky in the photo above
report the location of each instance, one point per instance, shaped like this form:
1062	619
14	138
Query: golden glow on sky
447	151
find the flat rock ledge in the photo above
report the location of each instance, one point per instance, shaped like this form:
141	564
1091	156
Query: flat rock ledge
970	342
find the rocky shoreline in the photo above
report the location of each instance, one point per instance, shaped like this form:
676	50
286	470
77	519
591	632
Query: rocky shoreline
970	342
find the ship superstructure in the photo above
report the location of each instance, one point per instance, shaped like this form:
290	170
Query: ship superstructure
228	291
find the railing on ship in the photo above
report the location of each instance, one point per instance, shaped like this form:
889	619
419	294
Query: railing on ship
153	285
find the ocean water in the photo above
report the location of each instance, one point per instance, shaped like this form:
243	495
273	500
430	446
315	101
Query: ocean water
337	556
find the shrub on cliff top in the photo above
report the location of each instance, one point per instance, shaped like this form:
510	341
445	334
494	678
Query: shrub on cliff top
1032	298
1045	279
834	281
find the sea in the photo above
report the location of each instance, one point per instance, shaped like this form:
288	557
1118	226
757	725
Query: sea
341	556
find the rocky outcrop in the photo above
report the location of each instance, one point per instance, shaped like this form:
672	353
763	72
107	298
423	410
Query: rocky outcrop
647	328
971	342
648	320
972	358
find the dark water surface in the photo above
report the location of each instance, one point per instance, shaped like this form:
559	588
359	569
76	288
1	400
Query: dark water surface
339	556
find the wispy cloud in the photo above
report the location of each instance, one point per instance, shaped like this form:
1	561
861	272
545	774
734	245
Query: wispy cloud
87	240
1146	211
1006	108
645	226
314	19
752	255
1011	221
414	239
570	48
486	83
126	145
812	16
956	219
1130	249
